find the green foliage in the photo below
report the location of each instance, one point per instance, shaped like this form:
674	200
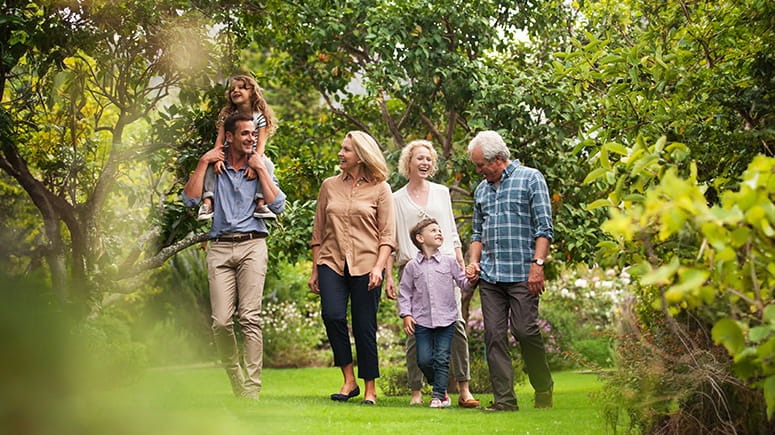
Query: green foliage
172	314
79	107
681	111
668	380
595	351
169	343
294	335
111	350
581	304
480	375
288	282
725	258
393	381
290	236
688	72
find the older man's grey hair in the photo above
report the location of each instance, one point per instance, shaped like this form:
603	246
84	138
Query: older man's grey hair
491	143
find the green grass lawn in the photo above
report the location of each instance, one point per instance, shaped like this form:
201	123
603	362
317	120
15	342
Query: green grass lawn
199	400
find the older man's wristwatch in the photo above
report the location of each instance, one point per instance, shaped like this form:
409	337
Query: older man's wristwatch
538	261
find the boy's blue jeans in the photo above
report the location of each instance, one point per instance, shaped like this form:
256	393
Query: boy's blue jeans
433	348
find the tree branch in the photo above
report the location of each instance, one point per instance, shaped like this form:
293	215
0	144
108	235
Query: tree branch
391	123
161	257
342	113
434	131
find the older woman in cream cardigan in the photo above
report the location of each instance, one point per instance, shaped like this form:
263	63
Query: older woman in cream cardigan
417	200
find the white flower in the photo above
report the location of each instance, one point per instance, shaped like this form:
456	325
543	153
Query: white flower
581	283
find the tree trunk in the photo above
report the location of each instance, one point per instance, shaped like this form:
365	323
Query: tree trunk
55	257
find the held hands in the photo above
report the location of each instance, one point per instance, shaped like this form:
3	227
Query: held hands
472	273
409	325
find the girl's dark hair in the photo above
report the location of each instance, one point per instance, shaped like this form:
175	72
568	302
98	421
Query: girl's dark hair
257	102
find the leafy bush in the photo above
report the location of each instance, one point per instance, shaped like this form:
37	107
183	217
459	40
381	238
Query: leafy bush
712	265
286	281
480	375
670	384
111	357
169	343
294	335
391	343
580	303
594	351
393	381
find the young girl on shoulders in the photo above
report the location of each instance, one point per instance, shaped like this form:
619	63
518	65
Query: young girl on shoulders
243	97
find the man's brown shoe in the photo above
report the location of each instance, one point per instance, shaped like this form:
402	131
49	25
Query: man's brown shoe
497	407
253	395
544	399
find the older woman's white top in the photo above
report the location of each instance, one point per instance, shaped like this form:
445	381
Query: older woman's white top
408	214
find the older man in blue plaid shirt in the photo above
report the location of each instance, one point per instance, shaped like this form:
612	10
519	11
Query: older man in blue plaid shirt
512	229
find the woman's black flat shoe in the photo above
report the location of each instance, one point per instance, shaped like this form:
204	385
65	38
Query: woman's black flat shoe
339	397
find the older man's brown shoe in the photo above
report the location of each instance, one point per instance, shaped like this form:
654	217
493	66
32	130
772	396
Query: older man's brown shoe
543	399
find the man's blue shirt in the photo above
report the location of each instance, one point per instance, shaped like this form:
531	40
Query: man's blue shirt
234	203
508	219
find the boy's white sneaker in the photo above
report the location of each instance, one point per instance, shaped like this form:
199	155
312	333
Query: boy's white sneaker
436	403
447	402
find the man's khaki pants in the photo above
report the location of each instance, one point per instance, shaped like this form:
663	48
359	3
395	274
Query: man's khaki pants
236	272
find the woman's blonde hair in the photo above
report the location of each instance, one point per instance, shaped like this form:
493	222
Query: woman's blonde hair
408	152
374	164
257	102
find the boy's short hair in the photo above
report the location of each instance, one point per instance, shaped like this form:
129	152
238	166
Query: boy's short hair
230	123
417	229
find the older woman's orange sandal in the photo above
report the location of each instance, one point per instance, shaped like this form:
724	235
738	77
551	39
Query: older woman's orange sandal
470	403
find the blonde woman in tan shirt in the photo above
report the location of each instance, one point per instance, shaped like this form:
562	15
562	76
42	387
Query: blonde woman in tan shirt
352	238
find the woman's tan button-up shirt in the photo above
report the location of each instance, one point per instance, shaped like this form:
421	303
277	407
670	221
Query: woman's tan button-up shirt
352	221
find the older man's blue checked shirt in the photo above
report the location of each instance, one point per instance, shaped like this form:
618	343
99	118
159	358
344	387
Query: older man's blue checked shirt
508	219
